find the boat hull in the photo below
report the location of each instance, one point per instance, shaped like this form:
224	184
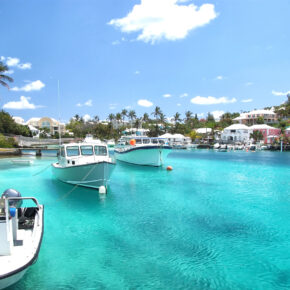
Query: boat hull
6	282
91	175
143	155
14	275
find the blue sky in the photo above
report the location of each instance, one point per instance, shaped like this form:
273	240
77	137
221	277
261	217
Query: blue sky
203	56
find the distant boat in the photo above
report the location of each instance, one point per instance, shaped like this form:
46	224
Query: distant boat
22	162
142	150
111	143
84	164
21	231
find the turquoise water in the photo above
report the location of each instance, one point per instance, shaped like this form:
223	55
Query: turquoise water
217	221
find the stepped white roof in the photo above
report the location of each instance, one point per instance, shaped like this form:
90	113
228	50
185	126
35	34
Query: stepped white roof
166	135
261	126
237	127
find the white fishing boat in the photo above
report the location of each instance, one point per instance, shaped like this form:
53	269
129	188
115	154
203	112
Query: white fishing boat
142	150
21	231
84	164
22	161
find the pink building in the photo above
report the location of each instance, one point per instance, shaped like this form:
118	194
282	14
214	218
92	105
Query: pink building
269	133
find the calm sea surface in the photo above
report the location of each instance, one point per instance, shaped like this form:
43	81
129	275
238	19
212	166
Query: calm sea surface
217	221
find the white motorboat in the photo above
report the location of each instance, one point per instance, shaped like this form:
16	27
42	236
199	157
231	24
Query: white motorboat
142	150
22	162
223	148
85	164
111	143
216	146
21	231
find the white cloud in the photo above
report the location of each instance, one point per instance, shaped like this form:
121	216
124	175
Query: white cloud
178	105
248	84
2	58
137	72
198	100
87	117
167	96
280	93
24	65
15	62
219	78
217	114
164	19
145	103
247	101
112	106
200	115
12	61
184	95
20	105
88	103
33	86
9	72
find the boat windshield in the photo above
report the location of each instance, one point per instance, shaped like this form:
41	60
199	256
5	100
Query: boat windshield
138	141
101	150
87	150
72	151
154	141
146	141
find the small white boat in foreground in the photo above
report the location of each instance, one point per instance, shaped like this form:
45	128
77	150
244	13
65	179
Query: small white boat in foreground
142	150
21	231
22	162
84	164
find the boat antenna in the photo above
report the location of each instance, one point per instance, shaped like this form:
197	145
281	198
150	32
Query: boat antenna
58	100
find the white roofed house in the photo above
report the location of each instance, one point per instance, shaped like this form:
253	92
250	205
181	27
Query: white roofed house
18	120
46	122
236	133
251	117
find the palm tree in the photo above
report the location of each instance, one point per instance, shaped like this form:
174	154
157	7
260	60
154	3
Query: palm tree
118	117
146	117
3	78
124	114
188	116
156	113
132	115
257	136
176	117
96	119
77	117
111	117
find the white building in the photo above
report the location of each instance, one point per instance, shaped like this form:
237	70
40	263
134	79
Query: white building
236	133
251	117
18	120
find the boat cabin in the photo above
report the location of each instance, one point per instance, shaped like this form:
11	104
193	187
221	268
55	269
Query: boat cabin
82	153
143	140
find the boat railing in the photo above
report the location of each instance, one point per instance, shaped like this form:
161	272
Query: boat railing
22	198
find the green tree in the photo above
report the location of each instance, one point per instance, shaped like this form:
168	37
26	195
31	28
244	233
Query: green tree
260	120
124	114
257	136
146	117
156	113
4	78
188	116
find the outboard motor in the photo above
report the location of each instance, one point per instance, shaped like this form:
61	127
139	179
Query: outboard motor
12	193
